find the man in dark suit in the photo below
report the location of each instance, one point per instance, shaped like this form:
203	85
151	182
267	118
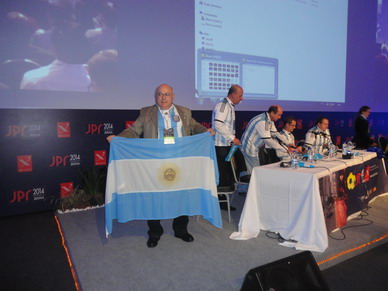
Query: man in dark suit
362	137
165	120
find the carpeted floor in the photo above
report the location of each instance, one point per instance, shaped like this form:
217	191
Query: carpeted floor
31	254
368	271
211	262
33	258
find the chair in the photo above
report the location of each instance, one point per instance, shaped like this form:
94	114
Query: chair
300	143
383	144
12	71
241	177
267	156
225	195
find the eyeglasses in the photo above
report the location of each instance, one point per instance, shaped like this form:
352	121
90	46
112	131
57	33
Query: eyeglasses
160	94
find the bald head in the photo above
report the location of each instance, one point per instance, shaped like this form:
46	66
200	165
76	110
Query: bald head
235	94
164	96
275	112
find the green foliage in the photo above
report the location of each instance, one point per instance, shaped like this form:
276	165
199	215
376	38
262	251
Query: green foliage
93	184
91	192
76	199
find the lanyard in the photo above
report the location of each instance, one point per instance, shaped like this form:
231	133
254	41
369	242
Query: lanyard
164	120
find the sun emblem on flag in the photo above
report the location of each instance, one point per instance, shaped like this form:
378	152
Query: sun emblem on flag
169	174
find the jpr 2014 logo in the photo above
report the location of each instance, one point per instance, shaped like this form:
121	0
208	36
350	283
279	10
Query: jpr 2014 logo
357	178
65	160
100	158
63	129
99	128
24	163
25	196
66	189
30	130
299	124
206	124
129	123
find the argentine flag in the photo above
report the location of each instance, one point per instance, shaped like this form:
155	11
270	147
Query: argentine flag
149	180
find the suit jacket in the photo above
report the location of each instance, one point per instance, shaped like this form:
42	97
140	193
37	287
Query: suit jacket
147	123
362	137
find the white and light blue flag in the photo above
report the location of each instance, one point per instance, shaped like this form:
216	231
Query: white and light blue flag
149	180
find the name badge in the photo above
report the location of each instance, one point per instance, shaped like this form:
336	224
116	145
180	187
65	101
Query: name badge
169	136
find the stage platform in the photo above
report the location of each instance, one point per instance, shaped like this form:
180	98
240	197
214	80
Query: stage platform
211	262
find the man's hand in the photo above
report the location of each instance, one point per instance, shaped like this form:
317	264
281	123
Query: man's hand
211	130
236	141
109	138
290	149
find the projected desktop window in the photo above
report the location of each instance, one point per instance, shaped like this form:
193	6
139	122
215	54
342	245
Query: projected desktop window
217	71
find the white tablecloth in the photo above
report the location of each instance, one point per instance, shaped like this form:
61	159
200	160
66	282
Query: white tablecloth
288	202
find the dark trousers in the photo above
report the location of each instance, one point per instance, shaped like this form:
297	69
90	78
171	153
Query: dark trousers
224	168
267	156
179	225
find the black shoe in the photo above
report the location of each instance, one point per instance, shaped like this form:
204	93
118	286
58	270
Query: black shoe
185	237
152	242
224	206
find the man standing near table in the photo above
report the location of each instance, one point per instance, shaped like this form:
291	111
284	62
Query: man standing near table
261	132
167	121
362	137
318	138
223	121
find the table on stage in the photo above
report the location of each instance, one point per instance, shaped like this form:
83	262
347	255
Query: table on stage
290	202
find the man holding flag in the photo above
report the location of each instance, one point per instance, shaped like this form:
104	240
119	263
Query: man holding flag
165	121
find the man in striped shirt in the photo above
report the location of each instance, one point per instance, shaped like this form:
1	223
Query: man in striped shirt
223	121
286	132
261	131
318	138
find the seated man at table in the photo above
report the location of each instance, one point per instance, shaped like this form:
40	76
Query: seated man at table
318	137
261	132
286	132
165	120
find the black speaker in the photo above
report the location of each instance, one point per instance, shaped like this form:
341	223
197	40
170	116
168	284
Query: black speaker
295	273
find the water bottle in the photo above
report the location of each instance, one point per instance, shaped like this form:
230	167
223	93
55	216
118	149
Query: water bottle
310	156
232	150
294	160
332	150
344	149
347	150
350	147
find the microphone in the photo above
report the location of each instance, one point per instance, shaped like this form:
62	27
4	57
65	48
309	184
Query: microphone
280	141
319	133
